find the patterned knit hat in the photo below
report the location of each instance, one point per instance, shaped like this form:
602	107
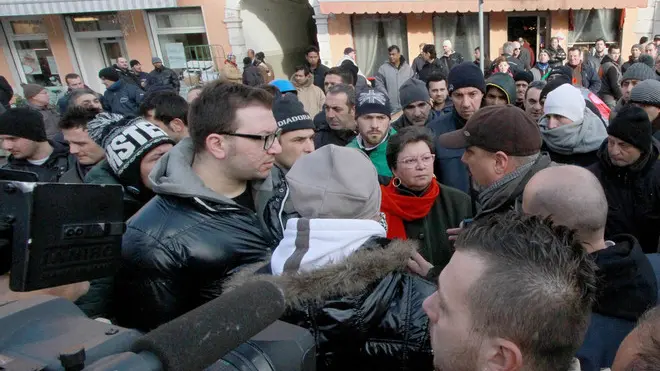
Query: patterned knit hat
639	71
646	92
373	101
126	141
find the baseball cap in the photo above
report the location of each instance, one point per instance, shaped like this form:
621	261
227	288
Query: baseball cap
656	37
349	50
497	128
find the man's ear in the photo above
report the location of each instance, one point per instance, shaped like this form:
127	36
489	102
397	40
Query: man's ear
502	355
502	162
177	125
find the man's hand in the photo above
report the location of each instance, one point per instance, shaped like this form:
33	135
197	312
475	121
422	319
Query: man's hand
417	264
452	233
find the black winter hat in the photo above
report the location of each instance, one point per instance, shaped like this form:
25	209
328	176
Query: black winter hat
558	81
290	114
632	125
373	101
466	75
23	123
523	76
109	73
562	71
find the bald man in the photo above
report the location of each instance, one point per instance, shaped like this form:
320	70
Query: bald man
573	197
640	350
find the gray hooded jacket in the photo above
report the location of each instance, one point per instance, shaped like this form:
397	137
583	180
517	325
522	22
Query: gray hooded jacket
389	79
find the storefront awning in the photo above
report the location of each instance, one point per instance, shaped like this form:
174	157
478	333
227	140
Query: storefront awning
39	7
462	6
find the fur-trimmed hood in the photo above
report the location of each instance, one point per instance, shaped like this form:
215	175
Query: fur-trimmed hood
375	260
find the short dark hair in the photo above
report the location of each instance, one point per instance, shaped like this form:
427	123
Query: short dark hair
214	111
271	89
574	49
430	48
169	106
643	39
647	357
349	90
304	68
600	39
70	76
77	93
612	47
394	47
537	279
435	77
134	62
346	75
477	48
311	49
403	137
260	56
538	84
247	60
77	117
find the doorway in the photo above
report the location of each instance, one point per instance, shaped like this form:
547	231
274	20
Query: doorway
531	27
112	48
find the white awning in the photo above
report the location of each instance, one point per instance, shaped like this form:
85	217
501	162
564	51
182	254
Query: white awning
39	7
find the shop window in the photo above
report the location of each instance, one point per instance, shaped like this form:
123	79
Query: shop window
590	25
95	22
373	34
180	19
37	61
195	46
27	27
462	30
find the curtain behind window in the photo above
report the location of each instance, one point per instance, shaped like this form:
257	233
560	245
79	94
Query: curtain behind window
589	25
461	29
373	34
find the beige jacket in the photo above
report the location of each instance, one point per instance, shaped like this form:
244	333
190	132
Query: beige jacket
231	73
310	95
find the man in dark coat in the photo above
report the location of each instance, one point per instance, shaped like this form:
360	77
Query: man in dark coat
251	74
125	74
162	78
120	97
317	68
339	127
416	103
349	287
610	75
646	95
629	171
23	135
583	73
627	285
466	90
202	225
432	64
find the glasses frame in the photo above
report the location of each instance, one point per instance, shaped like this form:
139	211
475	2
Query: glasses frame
265	137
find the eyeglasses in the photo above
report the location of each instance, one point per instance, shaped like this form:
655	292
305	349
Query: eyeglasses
269	139
410	162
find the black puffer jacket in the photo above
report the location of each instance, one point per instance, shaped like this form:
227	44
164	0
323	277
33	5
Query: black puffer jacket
163	79
633	195
557	56
59	162
365	312
432	68
182	245
274	207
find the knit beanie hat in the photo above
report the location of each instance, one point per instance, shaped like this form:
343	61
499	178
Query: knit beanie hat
523	76
30	90
561	71
638	71
290	114
465	75
646	92
334	183
505	83
632	125
554	84
647	60
23	123
565	101
373	101
412	91
126	141
109	73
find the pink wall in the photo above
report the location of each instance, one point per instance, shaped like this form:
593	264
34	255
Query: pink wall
420	30
341	35
57	42
214	14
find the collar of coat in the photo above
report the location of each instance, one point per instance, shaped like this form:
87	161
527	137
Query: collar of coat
349	277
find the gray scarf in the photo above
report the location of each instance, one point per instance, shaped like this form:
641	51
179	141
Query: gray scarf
487	194
579	137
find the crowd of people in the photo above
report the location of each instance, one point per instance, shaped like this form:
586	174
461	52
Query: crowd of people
433	218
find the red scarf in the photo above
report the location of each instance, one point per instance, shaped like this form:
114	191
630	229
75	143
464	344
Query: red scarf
399	208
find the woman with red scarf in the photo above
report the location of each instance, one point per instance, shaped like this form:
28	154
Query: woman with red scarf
415	205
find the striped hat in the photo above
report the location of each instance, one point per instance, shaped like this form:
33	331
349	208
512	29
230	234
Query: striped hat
646	92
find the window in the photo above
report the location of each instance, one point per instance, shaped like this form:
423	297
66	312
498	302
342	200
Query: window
178	20
95	22
31	51
27	27
373	34
462	30
589	25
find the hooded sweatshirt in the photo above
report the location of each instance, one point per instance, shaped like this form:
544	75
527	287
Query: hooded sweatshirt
576	143
505	83
333	240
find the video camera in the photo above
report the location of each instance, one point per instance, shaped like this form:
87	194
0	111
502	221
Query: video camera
68	233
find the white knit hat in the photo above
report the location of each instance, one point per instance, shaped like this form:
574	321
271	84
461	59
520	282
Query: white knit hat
565	101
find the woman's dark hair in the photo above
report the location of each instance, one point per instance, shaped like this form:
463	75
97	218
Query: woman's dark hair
405	136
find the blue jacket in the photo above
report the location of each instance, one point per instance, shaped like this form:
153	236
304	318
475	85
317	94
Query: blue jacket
448	168
123	99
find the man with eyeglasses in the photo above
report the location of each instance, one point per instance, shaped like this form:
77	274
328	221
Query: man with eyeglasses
202	225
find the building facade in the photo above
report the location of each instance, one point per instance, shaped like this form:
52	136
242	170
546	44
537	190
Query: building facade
43	40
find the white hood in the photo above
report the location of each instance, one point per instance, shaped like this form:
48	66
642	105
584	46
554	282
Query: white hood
309	244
